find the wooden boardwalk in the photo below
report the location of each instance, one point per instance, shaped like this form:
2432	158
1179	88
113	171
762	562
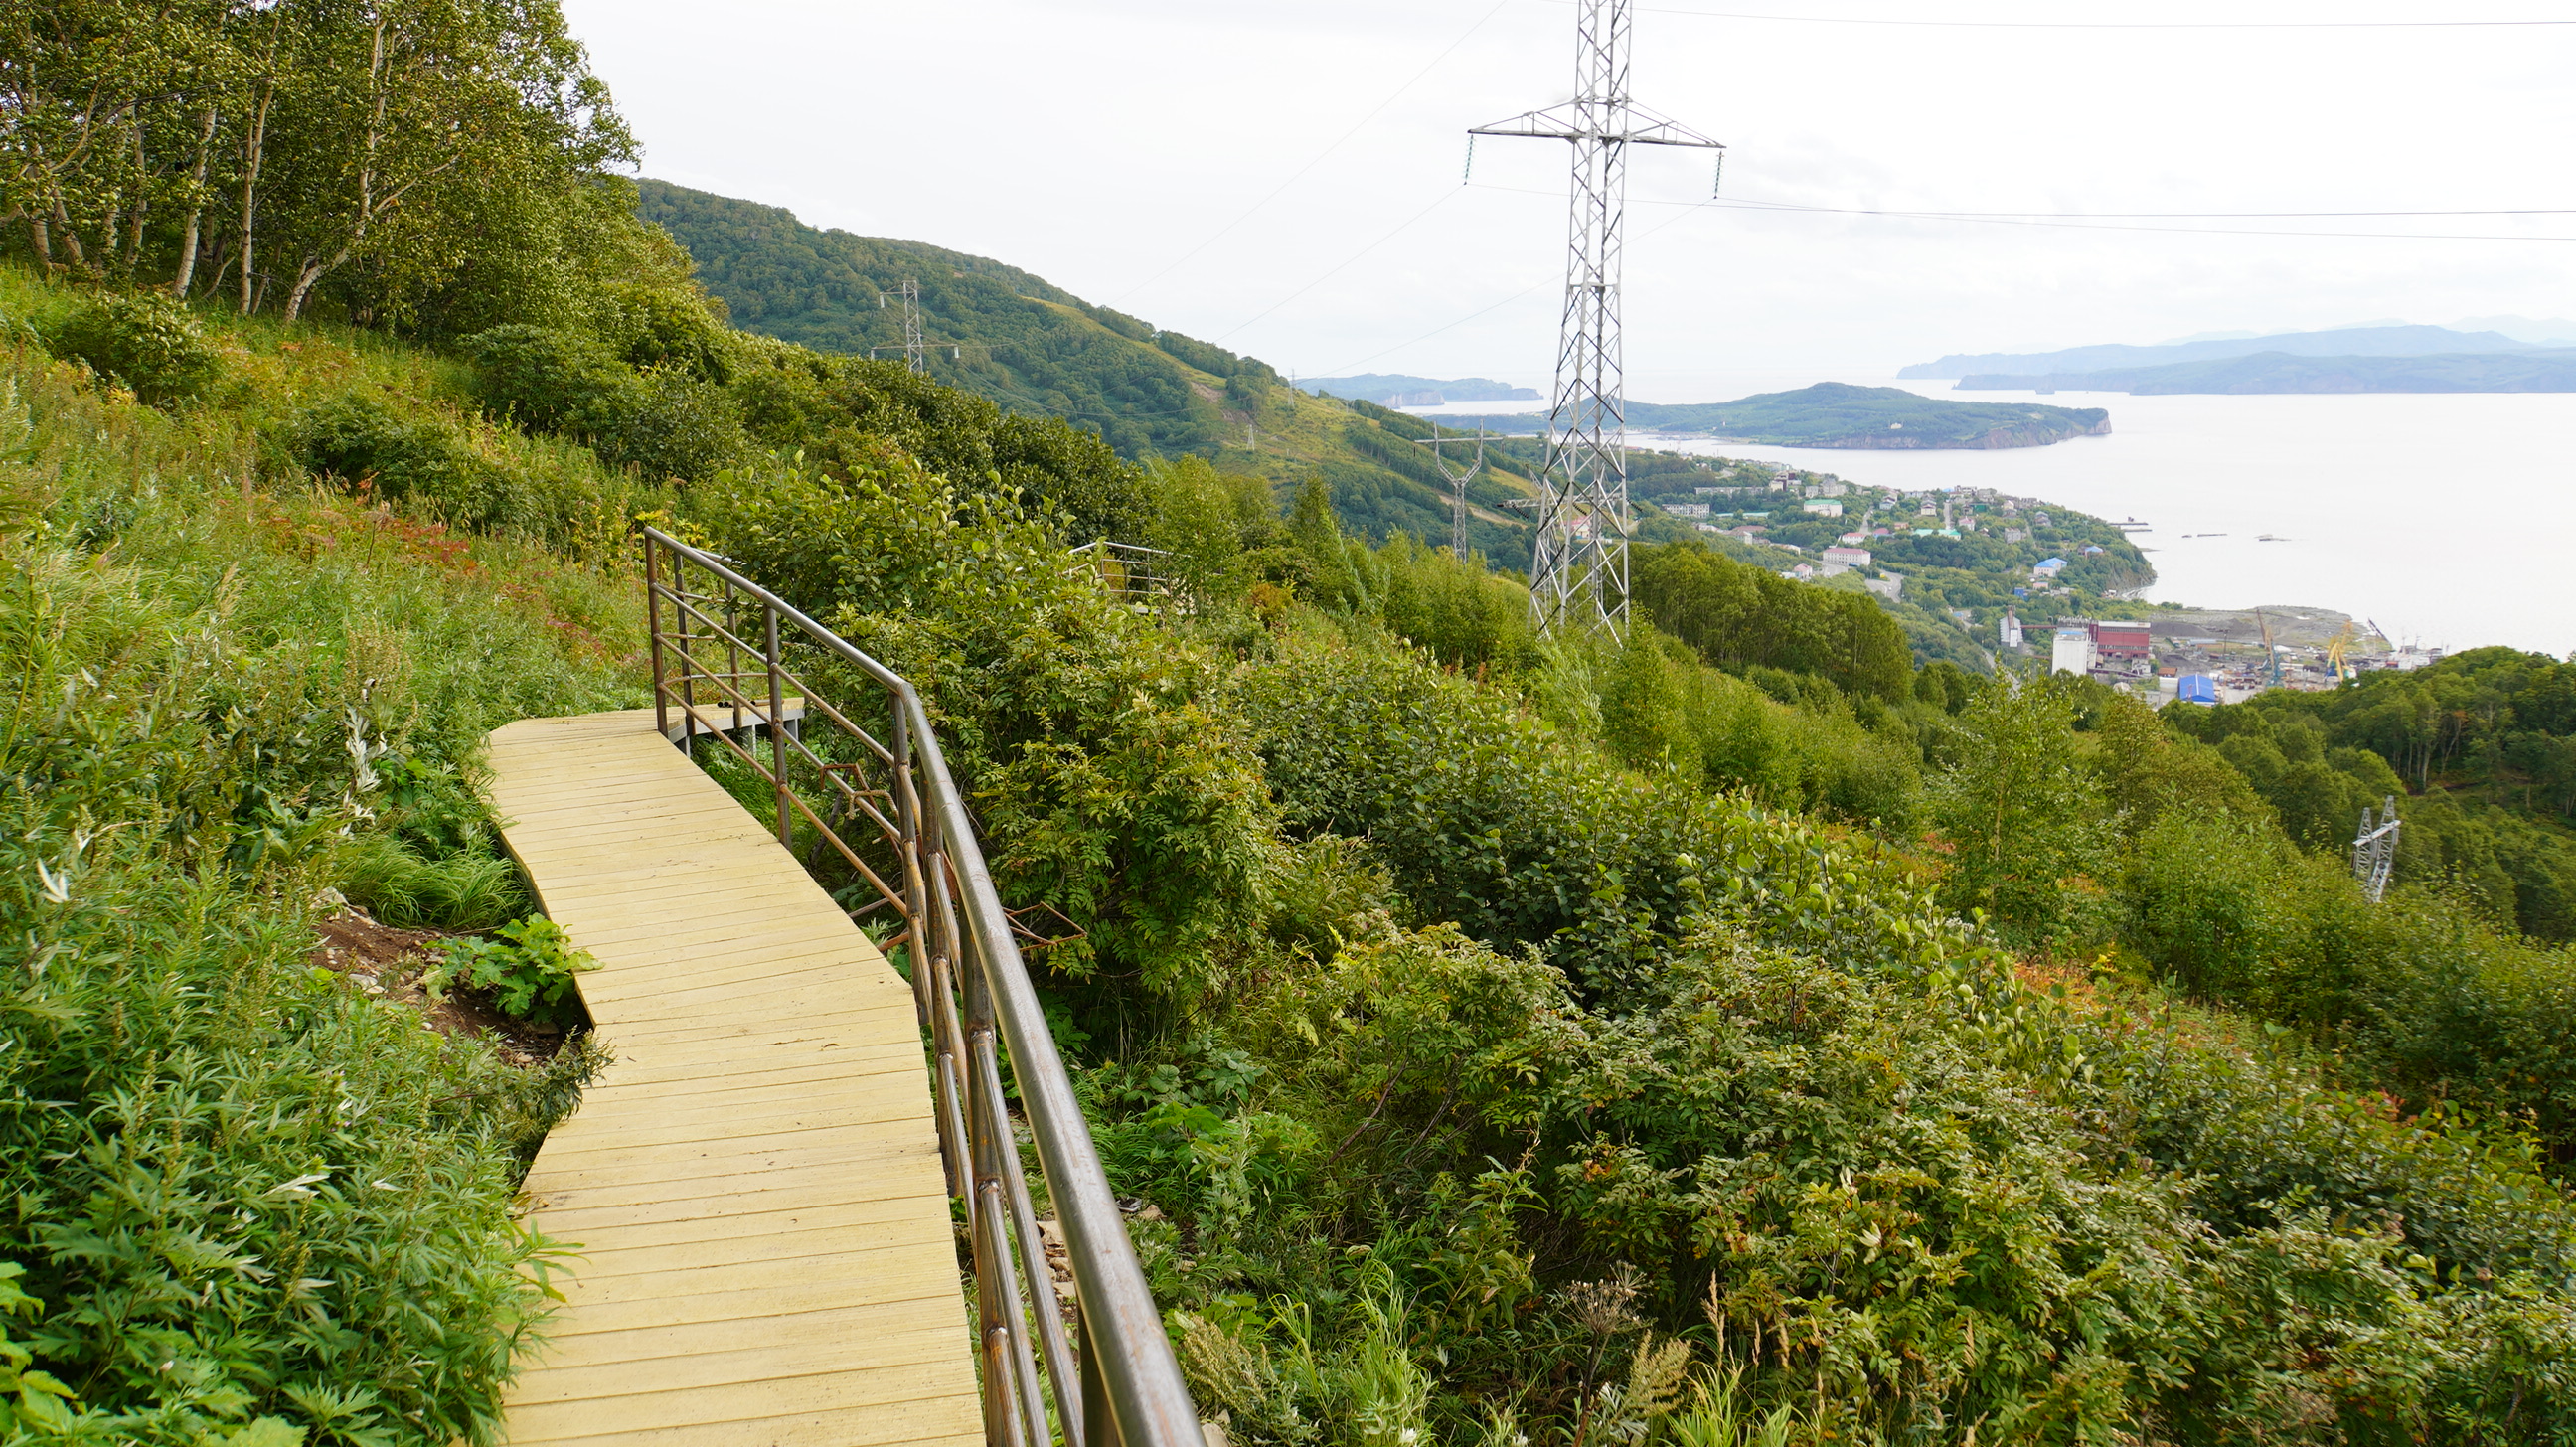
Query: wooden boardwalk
765	1250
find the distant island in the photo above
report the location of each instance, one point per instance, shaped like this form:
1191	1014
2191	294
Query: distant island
2530	371
1837	414
1395	389
2343	342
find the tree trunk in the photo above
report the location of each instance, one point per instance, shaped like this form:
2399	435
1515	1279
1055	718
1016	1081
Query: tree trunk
254	150
306	278
71	234
188	235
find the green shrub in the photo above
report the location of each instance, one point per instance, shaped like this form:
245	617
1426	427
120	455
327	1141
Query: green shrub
1495	820
433	462
528	966
667	423
2029	834
146	342
1462	614
542	377
662	327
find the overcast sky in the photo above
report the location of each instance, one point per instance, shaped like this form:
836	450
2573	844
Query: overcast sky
1208	164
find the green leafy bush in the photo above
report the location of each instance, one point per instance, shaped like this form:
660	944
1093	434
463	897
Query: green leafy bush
146	342
434	462
527	965
543	377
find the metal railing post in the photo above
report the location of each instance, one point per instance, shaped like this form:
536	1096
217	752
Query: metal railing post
653	629
733	653
778	732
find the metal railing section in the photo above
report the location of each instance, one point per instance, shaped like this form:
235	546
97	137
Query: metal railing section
887	810
1132	570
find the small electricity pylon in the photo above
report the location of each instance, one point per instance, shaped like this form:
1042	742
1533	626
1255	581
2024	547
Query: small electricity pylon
1457	483
1579	567
2374	850
915	355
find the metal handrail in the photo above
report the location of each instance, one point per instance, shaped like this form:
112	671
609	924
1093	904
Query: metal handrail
1116	1384
1131	569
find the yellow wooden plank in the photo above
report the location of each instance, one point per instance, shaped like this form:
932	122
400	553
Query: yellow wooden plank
865	1219
724	917
693	1065
599	1261
797	1289
755	947
639	1175
892	1405
745	1079
571	1211
911	1276
890	1109
764	1348
753	1044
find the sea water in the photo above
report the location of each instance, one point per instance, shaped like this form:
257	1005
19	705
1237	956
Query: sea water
2448	520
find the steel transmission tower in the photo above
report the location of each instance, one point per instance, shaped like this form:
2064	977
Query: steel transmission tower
1457	483
915	354
1579	571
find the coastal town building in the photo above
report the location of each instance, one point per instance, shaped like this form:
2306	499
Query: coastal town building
2121	640
2072	649
1838	560
2009	630
1824	507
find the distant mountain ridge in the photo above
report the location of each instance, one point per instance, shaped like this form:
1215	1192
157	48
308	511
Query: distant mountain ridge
2404	341
1840	415
1398	389
2273	372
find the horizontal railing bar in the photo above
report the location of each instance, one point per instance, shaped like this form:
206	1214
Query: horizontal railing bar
830	641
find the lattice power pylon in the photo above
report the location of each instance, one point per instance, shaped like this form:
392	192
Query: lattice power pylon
915	351
1579	570
1457	483
2374	850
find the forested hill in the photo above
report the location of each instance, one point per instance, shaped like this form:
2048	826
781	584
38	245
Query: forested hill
997	330
1037	349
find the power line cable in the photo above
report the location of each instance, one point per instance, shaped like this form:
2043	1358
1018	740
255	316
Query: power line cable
1398	94
2108	24
1348	367
1343	265
2046	219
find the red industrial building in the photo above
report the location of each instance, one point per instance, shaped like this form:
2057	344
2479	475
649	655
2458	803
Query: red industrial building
2113	638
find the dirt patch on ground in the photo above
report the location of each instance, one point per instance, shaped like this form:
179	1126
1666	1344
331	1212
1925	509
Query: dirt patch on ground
387	964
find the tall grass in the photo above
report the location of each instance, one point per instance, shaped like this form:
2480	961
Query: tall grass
239	1191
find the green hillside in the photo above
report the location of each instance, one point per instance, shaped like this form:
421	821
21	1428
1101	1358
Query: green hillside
1837	414
1038	350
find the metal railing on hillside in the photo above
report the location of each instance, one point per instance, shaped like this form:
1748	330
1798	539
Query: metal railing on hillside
1132	570
735	665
